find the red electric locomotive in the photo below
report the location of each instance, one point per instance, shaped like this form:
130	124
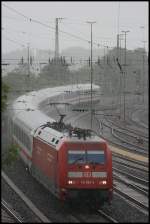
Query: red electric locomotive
77	165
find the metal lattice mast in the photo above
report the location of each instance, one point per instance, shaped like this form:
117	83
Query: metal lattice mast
57	39
124	112
91	23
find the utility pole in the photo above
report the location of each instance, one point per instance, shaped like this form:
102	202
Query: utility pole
57	40
107	54
119	59
118	46
28	65
91	23
143	68
120	50
143	64
125	72
104	55
28	48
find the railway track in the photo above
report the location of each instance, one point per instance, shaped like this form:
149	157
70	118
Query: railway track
37	214
130	142
108	217
139	191
9	215
130	127
120	141
129	172
73	217
137	140
136	183
123	130
86	213
131	162
134	131
136	121
131	167
102	213
136	198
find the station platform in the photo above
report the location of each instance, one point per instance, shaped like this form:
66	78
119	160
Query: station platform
130	155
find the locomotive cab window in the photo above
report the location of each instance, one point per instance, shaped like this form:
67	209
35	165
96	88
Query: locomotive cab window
76	157
89	156
97	157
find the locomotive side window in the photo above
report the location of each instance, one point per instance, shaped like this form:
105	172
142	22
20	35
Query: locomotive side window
96	156
57	142
22	136
76	157
53	139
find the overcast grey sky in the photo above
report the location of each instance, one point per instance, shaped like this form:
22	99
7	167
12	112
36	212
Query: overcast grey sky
111	17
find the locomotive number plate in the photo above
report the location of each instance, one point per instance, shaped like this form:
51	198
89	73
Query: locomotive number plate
87	174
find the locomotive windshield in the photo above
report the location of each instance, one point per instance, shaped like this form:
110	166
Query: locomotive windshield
76	157
96	157
89	156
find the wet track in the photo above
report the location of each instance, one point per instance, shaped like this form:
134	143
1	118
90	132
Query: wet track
52	208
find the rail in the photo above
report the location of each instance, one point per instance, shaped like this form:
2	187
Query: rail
10	212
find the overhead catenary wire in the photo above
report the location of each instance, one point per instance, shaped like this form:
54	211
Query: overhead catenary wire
39	36
50	27
43	24
30	19
46	35
16	42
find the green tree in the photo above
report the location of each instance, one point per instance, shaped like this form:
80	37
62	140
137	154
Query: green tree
11	156
4	96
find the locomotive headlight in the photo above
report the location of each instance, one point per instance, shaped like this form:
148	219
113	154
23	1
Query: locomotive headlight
104	182
70	182
87	167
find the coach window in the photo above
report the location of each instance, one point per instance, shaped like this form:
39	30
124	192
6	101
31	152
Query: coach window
28	143
17	132
24	137
21	134
11	125
25	140
14	129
